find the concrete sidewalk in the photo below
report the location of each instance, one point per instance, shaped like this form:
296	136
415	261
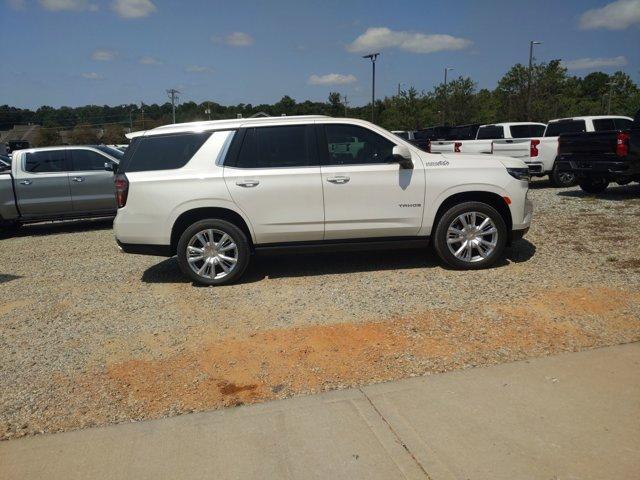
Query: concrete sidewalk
569	416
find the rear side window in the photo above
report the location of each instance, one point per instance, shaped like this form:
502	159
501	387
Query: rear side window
623	123
277	147
491	132
86	160
569	126
527	131
604	124
162	152
44	162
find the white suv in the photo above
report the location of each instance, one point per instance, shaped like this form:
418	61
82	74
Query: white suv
213	193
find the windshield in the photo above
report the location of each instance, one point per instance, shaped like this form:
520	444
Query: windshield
114	152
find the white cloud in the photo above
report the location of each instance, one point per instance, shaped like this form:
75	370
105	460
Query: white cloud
92	76
198	69
331	79
17	4
235	39
613	16
379	38
146	60
133	8
68	5
103	55
591	63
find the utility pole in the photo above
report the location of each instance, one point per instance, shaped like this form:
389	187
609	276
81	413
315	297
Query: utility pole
531	44
142	112
346	104
444	109
373	57
173	95
131	119
207	110
611	85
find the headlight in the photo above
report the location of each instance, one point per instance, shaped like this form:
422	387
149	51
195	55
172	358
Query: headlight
520	173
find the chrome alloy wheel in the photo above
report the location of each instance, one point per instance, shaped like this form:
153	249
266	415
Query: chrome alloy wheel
472	236
212	254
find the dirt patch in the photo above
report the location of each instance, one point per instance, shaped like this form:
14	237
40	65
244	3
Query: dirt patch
629	264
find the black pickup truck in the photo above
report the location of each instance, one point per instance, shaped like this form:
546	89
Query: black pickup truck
599	158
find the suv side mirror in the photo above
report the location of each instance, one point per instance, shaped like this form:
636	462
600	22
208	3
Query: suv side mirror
110	166
402	155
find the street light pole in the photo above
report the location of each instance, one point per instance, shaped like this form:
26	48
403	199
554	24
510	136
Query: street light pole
373	57
611	85
531	44
444	108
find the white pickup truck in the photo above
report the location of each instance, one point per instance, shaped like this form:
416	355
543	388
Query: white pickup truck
511	138
544	150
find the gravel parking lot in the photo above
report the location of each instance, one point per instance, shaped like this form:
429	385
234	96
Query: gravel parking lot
90	336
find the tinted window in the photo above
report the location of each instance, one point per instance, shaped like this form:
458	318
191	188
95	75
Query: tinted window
162	152
404	135
353	145
604	124
47	161
490	132
114	152
568	126
527	131
274	147
86	160
623	123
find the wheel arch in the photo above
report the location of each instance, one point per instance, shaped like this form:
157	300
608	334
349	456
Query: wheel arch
191	216
490	198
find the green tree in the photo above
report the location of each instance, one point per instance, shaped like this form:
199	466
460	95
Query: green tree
83	135
47	137
114	135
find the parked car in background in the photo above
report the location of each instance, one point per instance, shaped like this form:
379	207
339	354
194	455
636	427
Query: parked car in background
13	145
214	192
544	150
598	158
511	138
57	183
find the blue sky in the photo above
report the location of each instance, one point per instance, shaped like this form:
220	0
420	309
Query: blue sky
77	52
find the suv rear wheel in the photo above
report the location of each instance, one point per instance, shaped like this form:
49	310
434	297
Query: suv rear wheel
470	236
213	252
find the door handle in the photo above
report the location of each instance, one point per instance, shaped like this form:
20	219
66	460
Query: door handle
338	180
247	183
78	179
26	182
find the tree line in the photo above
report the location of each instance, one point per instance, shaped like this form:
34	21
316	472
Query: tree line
554	94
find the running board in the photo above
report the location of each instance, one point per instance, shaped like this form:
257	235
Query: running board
362	244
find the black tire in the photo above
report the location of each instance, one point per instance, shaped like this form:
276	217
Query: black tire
562	179
238	237
449	217
594	185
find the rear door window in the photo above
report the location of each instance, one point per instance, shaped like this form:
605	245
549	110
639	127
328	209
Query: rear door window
623	123
86	160
47	161
354	145
162	152
604	124
490	132
566	126
527	131
278	147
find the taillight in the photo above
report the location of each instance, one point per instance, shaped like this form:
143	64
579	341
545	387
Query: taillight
122	189
622	144
533	148
456	147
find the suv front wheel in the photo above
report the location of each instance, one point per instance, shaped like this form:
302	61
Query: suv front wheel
470	236
213	252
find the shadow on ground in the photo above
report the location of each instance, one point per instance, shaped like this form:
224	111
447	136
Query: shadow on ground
614	193
58	227
325	263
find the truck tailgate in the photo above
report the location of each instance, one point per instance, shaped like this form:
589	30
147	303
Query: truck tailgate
593	144
517	148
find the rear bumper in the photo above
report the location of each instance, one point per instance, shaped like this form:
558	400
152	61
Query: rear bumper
145	249
535	168
586	167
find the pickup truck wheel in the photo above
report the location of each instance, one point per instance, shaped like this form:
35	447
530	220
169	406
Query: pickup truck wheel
594	185
562	179
470	236
213	252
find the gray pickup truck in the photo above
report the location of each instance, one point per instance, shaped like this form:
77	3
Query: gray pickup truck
58	183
